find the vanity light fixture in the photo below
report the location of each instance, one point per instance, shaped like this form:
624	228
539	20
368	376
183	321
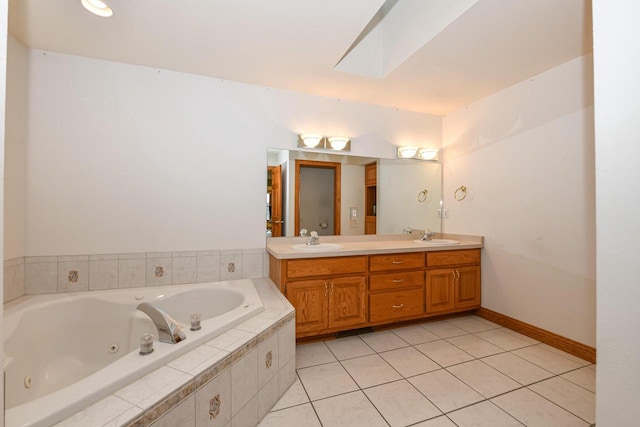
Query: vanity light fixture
311	141
333	143
420	153
98	7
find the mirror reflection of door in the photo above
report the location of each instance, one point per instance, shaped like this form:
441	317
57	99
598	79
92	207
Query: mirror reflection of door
317	197
274	201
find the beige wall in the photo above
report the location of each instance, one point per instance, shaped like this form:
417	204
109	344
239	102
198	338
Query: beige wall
526	156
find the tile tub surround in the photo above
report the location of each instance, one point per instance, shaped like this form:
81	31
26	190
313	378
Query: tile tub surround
52	274
13	279
280	247
233	379
463	371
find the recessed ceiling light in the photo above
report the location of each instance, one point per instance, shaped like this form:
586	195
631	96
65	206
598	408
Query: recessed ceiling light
98	7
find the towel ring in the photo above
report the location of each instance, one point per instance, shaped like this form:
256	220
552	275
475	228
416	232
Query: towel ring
423	195
460	193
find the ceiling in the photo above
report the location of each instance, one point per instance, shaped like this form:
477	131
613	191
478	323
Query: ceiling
480	48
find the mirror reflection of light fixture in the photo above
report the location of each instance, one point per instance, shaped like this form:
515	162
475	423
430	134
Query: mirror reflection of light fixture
338	142
98	7
318	142
420	153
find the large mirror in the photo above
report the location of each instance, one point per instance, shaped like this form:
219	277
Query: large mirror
349	195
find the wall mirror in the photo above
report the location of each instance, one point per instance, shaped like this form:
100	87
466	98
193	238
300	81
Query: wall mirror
337	194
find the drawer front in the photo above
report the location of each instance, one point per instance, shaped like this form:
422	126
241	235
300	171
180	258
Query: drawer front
444	258
397	280
395	305
396	261
325	266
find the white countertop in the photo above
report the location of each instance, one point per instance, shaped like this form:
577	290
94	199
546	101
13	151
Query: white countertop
281	247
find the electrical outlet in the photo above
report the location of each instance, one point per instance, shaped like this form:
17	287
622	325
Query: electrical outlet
354	213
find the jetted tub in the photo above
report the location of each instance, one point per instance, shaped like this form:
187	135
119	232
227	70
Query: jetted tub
65	351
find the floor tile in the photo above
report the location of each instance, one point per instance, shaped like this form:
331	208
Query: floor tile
444	353
517	368
483	414
415	334
292	397
326	380
383	341
372	370
570	396
503	339
566	355
534	410
445	391
442	421
401	404
546	359
409	361
584	377
297	416
444	329
485	321
472	324
349	347
313	354
521	336
483	378
348	410
475	346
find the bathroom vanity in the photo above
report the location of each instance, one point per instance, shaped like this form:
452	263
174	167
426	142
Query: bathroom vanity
358	282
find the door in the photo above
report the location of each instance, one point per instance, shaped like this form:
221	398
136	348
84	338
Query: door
347	305
309	298
274	204
439	287
312	197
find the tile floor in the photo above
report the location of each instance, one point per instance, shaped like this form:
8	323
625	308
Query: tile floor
460	372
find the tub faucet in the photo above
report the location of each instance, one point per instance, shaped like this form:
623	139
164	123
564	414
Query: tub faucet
169	330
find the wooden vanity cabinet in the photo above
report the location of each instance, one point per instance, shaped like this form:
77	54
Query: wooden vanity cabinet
396	286
453	280
334	299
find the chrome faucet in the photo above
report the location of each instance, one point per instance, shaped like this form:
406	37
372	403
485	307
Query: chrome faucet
428	235
169	330
314	239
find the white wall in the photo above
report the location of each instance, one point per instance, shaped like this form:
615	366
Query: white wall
126	158
526	156
3	81
617	130
15	149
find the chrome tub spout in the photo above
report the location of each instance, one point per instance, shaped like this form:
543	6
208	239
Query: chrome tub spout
169	330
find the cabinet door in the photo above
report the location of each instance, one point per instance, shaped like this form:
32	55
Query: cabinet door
309	298
439	295
347	304
467	289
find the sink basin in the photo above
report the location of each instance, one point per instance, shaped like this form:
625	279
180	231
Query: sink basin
320	247
438	242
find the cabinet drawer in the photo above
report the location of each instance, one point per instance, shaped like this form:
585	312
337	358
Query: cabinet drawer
325	266
394	305
396	280
396	261
444	258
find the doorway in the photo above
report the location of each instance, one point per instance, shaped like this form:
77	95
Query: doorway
274	201
317	197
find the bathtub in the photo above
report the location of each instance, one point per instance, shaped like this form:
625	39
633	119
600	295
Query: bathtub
65	351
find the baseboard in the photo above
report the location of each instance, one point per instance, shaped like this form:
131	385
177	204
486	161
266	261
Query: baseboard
562	343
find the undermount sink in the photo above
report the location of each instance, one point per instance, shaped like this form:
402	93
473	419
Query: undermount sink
320	247
438	242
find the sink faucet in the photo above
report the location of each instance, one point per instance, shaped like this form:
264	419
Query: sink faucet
428	235
169	330
314	239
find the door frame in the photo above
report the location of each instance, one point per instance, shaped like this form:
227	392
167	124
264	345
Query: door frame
276	200
336	192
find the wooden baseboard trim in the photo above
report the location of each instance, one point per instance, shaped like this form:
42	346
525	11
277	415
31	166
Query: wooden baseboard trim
562	343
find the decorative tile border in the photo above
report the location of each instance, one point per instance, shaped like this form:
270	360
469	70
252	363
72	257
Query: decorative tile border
76	273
